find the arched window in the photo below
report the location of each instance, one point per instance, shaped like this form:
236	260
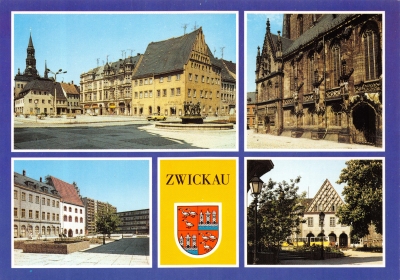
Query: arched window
76	219
15	231
81	220
23	231
372	58
70	218
311	69
335	62
65	218
65	208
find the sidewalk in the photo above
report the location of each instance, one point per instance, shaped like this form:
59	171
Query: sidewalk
127	252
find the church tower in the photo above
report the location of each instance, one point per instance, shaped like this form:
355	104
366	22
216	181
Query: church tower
30	69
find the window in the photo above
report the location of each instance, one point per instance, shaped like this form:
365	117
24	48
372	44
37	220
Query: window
57	204
70	219
190	76
151	81
141	94
76	210
30	214
140	82
310	221
15	194
58	217
202	79
43	201
172	92
194	93
136	94
30	198
43	216
65	218
332	221
15	212
178	91
48	216
53	216
37	215
164	93
178	77
80	211
195	78
146	82
81	220
169	78
300	24
372	57
23	196
161	79
158	93
146	94
48	202
76	219
65	208
189	92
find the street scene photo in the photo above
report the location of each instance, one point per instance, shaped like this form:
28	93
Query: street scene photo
81	213
332	216
147	81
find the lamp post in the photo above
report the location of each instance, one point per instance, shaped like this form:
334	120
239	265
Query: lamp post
321	222
60	71
256	185
36	102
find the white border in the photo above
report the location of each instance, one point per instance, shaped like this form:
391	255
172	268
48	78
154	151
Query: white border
150	257
385	249
161	149
237	212
247	59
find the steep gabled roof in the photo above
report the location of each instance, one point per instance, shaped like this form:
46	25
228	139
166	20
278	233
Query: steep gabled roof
324	24
69	88
68	192
42	84
226	67
325	198
167	56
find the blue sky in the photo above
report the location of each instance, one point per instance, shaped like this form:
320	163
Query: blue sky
74	41
124	183
255	33
313	172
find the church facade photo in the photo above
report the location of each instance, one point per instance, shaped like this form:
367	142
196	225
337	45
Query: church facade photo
322	78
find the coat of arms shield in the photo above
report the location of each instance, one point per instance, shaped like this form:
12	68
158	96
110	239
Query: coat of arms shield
198	228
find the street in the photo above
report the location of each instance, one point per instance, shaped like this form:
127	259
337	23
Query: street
112	133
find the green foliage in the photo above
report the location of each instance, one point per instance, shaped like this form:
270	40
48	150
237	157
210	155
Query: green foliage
107	221
279	214
362	196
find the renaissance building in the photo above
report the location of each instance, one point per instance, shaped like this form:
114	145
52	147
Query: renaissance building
322	78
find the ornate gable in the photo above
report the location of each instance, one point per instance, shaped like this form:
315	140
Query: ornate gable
199	50
327	199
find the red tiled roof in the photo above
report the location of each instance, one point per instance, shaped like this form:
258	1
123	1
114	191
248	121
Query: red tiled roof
69	88
67	192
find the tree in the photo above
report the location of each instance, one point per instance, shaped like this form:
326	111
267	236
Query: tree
279	215
107	221
362	196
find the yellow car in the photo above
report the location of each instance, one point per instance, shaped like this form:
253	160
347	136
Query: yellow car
156	117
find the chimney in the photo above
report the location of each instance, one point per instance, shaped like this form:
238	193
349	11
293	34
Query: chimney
23	172
138	53
40	179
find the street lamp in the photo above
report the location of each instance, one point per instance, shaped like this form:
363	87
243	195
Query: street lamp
60	71
36	102
321	222
256	185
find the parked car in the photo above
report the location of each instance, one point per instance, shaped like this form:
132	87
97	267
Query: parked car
156	117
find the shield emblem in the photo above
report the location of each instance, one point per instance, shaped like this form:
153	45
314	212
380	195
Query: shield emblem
197	228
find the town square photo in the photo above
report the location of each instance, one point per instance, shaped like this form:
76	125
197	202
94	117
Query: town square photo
81	213
315	81
128	81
